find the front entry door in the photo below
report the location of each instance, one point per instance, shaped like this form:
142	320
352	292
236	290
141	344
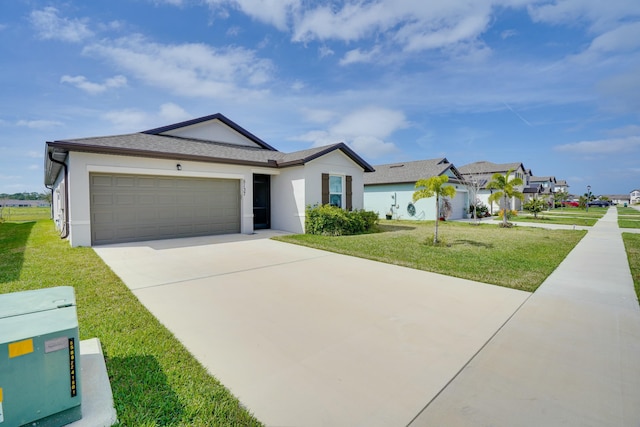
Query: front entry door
261	201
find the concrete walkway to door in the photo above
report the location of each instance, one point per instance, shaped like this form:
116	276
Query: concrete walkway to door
310	338
569	357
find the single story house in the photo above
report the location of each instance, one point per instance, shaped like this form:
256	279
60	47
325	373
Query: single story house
481	173
199	177
389	190
634	196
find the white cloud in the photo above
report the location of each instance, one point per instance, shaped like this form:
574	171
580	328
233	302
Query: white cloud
297	85
49	25
318	115
506	34
356	55
135	120
34	167
273	12
325	51
173	113
91	88
38	124
365	130
129	120
602	146
191	69
599	15
34	154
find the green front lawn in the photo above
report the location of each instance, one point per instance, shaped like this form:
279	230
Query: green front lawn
519	257
628	217
546	218
155	380
632	245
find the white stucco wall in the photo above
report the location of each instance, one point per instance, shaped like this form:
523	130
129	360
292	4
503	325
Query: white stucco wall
287	200
82	164
335	163
396	198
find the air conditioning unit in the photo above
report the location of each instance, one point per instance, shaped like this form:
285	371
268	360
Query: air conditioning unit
39	358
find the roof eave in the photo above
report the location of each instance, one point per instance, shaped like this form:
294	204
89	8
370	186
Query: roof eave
117	151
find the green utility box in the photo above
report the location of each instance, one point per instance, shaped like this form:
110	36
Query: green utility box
39	358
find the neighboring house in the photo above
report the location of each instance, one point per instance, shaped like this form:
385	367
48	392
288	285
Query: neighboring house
561	185
634	196
200	177
619	199
547	185
389	190
12	203
532	192
481	173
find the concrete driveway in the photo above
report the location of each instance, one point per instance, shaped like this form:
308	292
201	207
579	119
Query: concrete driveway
310	338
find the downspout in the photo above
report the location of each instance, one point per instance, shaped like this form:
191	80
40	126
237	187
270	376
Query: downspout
65	231
50	189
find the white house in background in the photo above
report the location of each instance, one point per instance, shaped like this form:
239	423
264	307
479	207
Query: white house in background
481	173
389	190
634	196
561	185
200	177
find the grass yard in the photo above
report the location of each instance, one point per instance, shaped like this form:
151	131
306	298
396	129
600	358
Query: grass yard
564	216
632	246
628	217
519	257
155	380
24	214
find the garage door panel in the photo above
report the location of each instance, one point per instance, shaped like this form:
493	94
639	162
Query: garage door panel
125	181
129	207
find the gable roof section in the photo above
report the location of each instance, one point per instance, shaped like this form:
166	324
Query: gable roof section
409	172
301	157
220	117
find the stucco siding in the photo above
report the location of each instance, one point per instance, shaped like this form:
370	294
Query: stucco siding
288	200
335	163
395	198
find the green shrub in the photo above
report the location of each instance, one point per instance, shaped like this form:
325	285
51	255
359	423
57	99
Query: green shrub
329	220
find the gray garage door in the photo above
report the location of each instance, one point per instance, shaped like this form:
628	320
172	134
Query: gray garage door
127	208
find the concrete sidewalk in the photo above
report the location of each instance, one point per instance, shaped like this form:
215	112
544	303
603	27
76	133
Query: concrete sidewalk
570	356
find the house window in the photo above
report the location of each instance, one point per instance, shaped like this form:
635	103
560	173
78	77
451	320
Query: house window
335	190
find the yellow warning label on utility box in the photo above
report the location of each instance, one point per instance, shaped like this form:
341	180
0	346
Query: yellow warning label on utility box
20	348
0	394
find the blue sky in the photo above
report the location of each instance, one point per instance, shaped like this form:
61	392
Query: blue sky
552	84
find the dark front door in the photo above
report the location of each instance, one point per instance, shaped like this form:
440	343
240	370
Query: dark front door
261	201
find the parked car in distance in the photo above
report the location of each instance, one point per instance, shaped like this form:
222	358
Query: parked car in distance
599	203
571	203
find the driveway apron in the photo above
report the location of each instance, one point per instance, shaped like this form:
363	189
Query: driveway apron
305	337
570	356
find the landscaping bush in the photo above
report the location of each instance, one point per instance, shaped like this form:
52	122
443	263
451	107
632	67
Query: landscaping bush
330	220
510	213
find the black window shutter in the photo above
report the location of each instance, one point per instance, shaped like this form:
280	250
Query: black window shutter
325	188
348	188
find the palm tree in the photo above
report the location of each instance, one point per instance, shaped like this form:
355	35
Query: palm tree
430	187
506	190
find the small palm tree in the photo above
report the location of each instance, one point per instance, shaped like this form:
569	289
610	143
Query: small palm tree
506	190
434	186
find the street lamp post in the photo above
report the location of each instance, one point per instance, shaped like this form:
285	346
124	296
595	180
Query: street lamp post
588	197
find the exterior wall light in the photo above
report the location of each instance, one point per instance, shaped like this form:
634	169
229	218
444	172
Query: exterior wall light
179	166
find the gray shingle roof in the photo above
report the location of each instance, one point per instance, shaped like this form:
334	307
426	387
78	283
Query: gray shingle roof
163	146
490	168
542	179
408	172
